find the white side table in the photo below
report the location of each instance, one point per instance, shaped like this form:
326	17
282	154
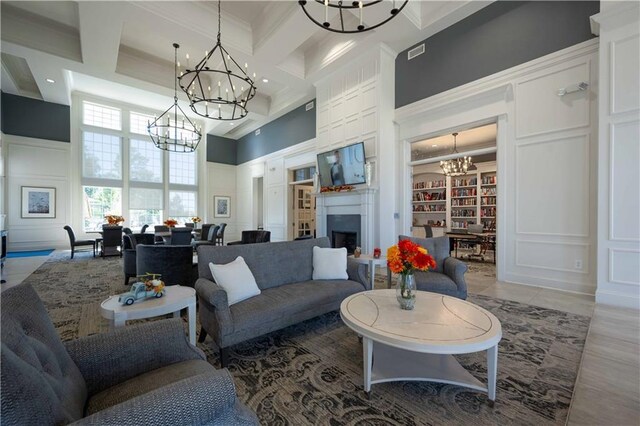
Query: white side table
368	259
176	297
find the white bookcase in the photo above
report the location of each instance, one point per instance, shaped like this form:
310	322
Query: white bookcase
453	203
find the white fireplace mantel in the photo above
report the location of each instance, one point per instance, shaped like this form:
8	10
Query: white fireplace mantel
360	201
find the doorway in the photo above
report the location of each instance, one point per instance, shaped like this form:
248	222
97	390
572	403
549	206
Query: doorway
302	207
258	202
464	205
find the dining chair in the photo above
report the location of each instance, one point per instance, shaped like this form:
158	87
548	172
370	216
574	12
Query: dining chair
160	228
111	240
220	236
79	243
181	236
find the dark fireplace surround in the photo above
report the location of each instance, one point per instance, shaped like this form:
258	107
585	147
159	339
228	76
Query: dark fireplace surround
344	231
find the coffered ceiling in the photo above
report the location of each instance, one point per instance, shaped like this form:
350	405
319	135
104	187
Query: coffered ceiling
122	49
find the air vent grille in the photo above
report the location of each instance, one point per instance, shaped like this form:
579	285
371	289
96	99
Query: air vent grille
309	106
416	51
257	132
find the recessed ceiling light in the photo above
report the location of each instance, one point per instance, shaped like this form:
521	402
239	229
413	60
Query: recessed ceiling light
434	146
265	80
231	124
50	80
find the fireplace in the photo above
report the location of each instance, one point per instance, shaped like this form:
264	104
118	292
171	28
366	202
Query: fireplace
340	239
344	231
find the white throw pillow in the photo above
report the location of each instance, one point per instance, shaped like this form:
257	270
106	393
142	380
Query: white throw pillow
236	279
330	264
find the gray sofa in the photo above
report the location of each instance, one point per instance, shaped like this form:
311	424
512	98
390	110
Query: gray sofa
283	272
138	374
448	275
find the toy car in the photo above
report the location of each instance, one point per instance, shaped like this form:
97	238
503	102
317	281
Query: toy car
143	290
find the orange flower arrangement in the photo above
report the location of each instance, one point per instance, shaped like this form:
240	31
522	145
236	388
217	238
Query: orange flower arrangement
114	219
406	256
171	223
196	219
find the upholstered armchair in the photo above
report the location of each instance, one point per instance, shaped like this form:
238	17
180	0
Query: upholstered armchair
181	236
448	275
212	236
130	242
174	263
253	237
138	374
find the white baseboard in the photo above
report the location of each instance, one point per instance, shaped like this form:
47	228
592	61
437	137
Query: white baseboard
617	299
583	288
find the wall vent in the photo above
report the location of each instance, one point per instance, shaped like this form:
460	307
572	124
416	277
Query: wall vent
309	106
257	132
416	51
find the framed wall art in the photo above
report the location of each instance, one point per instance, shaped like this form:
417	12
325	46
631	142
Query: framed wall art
38	202
221	206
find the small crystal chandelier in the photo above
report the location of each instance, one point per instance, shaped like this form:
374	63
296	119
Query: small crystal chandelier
456	166
342	6
173	130
219	94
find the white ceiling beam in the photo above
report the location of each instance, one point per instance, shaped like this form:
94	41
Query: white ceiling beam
57	92
100	30
7	84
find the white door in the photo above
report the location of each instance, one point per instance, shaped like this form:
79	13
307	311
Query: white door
304	211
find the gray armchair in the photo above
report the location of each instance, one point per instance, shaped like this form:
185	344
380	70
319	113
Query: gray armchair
130	243
139	374
175	263
448	275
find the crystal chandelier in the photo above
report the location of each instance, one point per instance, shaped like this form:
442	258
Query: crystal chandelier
173	130
218	93
324	6
456	166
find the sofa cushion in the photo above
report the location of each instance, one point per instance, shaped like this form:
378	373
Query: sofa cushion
272	264
147	382
274	307
437	247
435	282
40	381
236	279
330	263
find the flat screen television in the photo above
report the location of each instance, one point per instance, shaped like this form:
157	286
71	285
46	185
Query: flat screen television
342	166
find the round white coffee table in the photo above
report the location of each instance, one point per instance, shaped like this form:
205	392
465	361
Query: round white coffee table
176	298
419	344
368	259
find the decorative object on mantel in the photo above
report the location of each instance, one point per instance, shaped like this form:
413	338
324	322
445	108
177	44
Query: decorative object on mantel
218	93
173	130
404	258
456	166
368	173
114	219
196	220
357	252
354	13
170	222
337	188
150	286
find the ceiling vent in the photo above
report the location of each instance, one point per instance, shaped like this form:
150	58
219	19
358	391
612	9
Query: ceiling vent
309	106
257	132
416	51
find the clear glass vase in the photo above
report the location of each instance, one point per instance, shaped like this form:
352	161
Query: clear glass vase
406	291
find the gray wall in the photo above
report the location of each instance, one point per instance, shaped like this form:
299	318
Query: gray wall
35	119
500	36
222	150
290	129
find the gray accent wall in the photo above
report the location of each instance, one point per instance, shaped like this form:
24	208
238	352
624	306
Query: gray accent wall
35	119
222	150
500	36
290	129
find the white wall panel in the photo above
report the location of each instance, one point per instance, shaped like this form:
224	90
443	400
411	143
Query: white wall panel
275	206
540	110
624	266
222	181
625	176
551	255
625	74
275	172
553	187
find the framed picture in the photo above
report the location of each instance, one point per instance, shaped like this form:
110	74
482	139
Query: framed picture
38	202
221	206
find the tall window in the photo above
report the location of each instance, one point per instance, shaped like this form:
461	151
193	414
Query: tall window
124	173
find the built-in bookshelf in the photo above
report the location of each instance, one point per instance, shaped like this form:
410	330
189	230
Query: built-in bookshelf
456	202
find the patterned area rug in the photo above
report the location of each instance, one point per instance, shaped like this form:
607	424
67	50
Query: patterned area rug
311	373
